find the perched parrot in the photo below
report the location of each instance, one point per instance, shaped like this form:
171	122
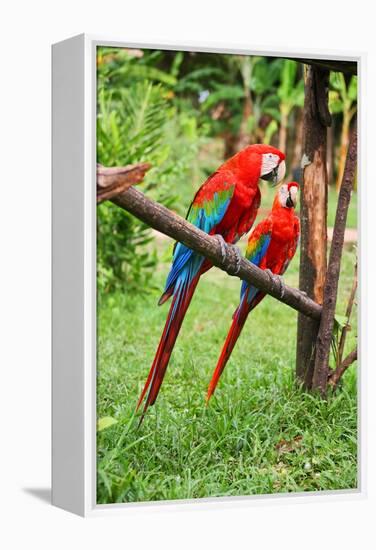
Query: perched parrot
226	206
271	246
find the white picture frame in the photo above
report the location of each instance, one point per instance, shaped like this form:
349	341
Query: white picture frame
74	277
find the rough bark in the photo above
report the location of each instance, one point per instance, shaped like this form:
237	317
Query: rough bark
321	368
112	181
162	219
330	154
313	213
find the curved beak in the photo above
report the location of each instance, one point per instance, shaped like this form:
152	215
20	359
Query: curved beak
289	202
276	175
271	176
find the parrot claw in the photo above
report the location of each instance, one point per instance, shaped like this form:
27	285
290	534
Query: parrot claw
223	245
282	286
238	260
277	280
226	253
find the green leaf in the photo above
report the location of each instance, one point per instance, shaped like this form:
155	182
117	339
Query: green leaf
287	80
341	320
178	59
353	89
223	93
265	75
105	422
335	103
337	81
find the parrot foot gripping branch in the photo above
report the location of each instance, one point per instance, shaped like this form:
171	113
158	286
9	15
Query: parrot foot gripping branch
228	251
226	257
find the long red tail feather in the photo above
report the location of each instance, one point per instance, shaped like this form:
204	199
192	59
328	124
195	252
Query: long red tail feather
239	319
178	308
232	337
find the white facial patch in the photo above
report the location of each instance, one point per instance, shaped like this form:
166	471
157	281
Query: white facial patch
294	193
283	194
269	162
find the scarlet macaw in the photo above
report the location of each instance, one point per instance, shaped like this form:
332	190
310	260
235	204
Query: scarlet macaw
225	205
271	246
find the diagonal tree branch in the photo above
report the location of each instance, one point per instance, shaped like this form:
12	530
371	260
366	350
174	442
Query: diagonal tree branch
162	219
337	374
349	308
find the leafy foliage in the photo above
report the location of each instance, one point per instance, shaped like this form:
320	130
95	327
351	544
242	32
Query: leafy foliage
290	92
342	96
182	112
343	103
137	122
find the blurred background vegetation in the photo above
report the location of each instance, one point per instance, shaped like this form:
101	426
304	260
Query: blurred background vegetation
185	112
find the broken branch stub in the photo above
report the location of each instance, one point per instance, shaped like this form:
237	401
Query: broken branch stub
337	374
115	180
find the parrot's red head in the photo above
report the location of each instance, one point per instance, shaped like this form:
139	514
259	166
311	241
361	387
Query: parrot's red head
287	195
267	160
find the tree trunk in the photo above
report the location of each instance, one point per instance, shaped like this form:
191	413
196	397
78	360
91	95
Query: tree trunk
330	154
321	369
343	147
313	214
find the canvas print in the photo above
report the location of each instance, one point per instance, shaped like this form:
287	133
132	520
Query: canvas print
226	275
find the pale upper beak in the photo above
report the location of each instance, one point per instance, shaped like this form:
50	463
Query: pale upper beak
281	172
277	174
292	198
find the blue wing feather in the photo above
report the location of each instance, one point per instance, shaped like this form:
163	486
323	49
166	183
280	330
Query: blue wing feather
256	251
206	217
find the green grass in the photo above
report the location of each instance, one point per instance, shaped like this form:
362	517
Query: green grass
260	434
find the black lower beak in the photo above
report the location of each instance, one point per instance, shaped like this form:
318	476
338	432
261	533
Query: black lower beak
271	176
289	202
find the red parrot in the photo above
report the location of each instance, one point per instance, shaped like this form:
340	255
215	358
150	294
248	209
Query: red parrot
226	206
271	246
